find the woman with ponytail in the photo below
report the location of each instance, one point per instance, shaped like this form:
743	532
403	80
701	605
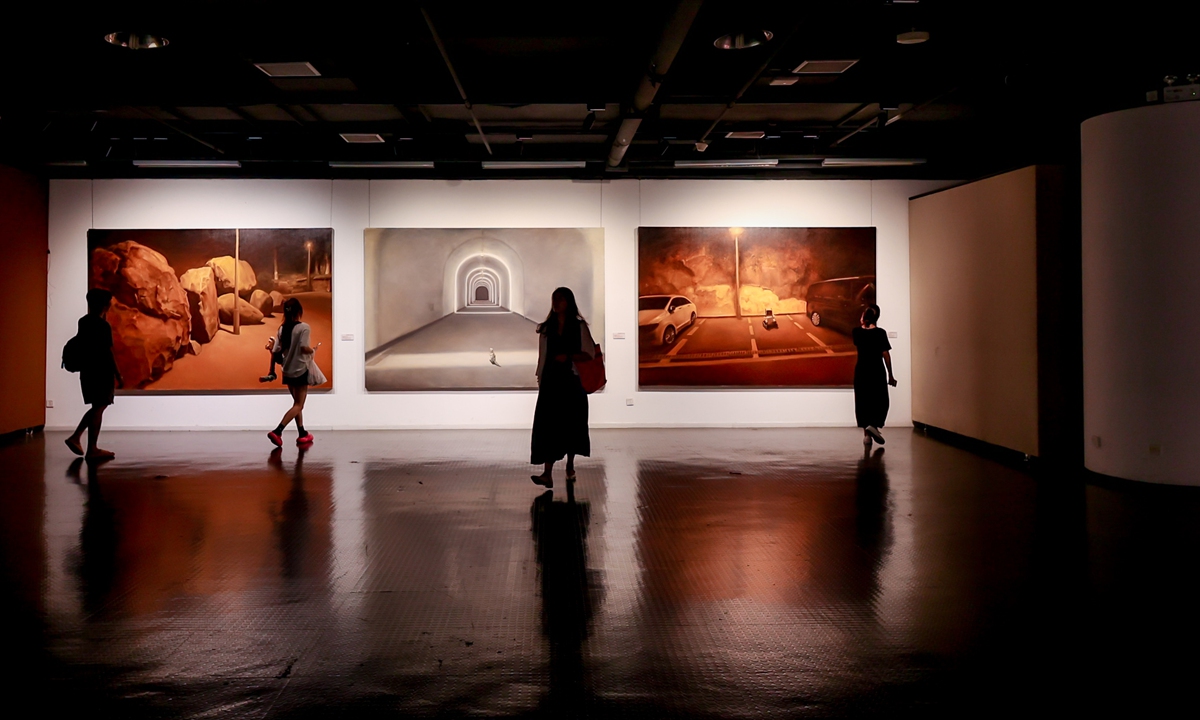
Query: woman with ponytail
291	343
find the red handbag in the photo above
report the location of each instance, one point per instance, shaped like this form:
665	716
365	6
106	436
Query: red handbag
591	372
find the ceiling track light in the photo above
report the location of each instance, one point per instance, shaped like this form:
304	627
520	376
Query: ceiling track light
187	163
743	40
871	162
733	163
288	69
136	41
534	164
383	164
745	135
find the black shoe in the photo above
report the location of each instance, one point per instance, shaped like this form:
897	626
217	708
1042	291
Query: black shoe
268	378
543	481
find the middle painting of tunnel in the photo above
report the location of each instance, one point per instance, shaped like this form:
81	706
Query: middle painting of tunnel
457	309
751	307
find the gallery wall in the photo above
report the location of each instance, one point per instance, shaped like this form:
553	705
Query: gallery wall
974	310
1141	257
22	296
351	206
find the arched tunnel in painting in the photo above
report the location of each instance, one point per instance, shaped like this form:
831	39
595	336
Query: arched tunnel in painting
441	302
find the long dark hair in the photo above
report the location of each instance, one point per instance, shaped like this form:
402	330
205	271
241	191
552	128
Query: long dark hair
573	314
292	310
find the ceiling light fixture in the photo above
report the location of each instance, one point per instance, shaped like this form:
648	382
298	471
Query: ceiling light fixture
68	163
136	41
785	80
752	163
824	67
397	164
533	164
745	135
187	163
743	40
362	138
912	37
870	162
288	69
701	146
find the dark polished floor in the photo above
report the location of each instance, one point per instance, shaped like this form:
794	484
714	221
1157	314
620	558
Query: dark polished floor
696	574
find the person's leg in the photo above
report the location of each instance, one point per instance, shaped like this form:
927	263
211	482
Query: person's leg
73	441
301	396
298	395
270	376
94	424
546	479
570	466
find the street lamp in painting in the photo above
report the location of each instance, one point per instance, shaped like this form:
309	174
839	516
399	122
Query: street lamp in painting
736	232
308	246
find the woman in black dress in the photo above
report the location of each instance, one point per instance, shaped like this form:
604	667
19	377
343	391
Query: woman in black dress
870	382
98	377
560	422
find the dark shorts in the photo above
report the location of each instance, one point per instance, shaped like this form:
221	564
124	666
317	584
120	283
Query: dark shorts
97	387
298	381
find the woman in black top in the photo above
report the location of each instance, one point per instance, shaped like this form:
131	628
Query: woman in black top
560	421
870	383
98	377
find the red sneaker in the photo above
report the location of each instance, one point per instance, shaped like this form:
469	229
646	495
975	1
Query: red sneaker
304	440
275	439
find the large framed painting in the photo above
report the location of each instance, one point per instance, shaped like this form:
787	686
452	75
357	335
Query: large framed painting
751	307
457	309
192	309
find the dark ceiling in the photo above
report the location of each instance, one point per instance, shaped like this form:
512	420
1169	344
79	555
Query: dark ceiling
997	85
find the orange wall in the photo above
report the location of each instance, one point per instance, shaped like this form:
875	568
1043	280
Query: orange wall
23	250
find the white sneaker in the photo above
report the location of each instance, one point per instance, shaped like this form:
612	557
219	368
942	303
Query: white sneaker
874	432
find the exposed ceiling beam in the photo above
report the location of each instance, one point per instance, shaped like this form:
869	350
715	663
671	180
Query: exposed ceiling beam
672	39
457	83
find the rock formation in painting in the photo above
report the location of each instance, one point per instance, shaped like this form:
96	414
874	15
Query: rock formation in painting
201	287
277	299
250	315
223	272
150	315
262	302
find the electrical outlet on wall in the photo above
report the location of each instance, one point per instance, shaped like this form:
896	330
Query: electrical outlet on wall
347	337
629	401
618	336
893	334
49	403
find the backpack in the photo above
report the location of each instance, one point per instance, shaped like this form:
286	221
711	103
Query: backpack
74	355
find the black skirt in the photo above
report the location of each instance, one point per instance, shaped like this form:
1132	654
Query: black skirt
98	386
560	421
871	400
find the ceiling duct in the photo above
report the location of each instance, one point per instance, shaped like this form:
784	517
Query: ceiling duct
672	39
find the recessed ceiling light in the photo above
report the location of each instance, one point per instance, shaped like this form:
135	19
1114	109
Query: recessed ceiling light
408	164
68	163
187	163
136	41
288	69
745	135
912	37
743	40
870	162
750	163
533	164
362	137
785	80
824	67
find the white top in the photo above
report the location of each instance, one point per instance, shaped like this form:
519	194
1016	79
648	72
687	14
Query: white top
295	363
586	345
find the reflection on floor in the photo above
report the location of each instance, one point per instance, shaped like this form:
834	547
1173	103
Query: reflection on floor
456	352
710	573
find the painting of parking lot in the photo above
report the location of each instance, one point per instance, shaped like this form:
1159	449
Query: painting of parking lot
457	309
751	307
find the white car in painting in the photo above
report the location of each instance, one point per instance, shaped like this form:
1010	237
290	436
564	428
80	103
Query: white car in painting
661	317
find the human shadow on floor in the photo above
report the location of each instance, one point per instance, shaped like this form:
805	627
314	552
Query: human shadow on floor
570	594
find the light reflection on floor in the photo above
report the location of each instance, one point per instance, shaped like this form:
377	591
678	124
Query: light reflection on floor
702	573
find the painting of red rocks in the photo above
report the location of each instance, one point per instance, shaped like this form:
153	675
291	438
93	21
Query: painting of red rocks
192	309
751	307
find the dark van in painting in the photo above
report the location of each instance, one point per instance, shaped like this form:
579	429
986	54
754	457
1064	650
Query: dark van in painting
839	303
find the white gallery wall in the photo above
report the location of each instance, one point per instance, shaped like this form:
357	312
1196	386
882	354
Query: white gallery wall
350	206
1141	257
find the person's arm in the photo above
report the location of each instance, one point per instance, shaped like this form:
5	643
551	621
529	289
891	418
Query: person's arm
587	346
541	357
887	360
304	339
